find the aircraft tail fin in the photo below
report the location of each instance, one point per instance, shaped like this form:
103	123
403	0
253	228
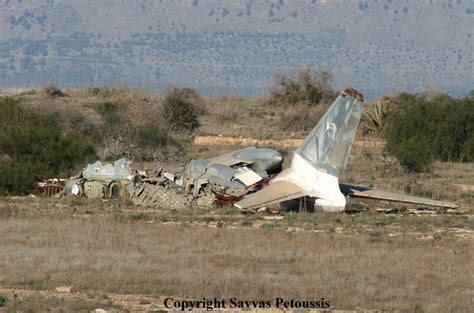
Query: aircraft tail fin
328	145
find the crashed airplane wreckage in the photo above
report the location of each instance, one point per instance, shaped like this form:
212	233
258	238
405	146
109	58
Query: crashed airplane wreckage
224	179
252	178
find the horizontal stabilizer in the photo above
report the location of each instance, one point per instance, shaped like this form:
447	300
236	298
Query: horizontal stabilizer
367	193
273	193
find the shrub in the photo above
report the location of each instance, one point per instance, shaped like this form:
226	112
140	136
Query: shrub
52	91
181	108
3	300
302	119
422	130
34	144
305	86
376	116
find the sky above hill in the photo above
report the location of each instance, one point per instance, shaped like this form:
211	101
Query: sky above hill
237	47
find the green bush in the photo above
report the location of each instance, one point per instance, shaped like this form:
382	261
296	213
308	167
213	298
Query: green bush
422	130
34	144
306	86
3	300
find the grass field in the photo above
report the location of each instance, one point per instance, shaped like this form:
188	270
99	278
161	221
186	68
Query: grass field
363	261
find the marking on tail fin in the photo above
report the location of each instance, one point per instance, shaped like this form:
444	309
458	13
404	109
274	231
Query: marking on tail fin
328	145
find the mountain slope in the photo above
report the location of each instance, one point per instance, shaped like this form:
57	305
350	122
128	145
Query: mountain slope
237	46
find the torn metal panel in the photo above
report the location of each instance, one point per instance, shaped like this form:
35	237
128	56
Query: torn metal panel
247	176
74	187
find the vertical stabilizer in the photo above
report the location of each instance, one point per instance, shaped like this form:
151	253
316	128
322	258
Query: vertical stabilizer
316	163
329	144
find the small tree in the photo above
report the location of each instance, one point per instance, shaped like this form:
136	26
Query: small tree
306	86
181	108
52	91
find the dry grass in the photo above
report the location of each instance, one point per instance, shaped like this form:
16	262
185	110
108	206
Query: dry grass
35	302
45	245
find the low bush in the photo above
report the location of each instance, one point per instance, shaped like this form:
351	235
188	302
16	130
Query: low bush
3	300
181	108
34	144
302	117
423	129
52	91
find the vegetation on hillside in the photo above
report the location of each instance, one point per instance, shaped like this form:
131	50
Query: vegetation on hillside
118	137
181	108
54	137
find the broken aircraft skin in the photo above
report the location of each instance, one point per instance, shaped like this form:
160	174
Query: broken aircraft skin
233	173
223	179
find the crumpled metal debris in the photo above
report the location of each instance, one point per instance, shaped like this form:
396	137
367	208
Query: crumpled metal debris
221	180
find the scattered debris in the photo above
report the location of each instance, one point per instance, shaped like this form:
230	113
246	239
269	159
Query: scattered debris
47	186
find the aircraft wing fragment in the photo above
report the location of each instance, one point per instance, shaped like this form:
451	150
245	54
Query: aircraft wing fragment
273	193
367	193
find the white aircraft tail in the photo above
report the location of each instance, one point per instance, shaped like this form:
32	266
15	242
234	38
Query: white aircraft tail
329	144
316	163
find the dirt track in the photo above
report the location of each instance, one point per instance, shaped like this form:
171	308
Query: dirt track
284	143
